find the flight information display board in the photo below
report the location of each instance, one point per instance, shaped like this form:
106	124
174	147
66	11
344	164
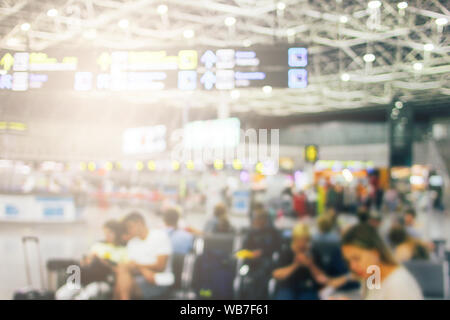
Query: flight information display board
182	69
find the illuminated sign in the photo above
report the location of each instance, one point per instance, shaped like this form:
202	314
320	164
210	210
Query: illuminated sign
183	69
311	153
221	133
144	140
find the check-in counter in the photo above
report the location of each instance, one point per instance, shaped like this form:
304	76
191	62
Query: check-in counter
37	208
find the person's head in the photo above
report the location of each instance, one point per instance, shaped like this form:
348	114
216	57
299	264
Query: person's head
409	217
170	217
300	238
135	225
114	232
260	219
220	210
362	247
363	214
397	235
325	223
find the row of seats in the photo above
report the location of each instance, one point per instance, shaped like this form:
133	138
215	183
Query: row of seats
212	272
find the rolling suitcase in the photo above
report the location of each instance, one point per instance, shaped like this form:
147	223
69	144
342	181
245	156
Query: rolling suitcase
30	293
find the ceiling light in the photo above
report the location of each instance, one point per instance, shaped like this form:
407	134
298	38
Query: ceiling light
281	6
189	33
230	21
418	66
374	4
441	21
52	12
399	104
124	23
25	26
369	57
235	94
402	5
428	47
247	43
162	9
345	77
267	89
343	19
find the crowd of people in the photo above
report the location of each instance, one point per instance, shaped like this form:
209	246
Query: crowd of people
316	258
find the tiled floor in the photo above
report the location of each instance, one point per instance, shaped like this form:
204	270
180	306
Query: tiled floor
72	240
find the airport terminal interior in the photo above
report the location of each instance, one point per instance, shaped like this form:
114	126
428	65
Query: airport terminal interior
224	149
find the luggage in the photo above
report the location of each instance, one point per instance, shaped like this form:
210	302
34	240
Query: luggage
30	293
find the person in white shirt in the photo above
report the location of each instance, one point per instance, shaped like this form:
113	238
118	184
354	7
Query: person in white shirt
371	261
147	274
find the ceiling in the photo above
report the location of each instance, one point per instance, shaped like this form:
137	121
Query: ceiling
410	45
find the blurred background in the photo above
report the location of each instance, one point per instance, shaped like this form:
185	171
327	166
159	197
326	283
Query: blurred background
97	95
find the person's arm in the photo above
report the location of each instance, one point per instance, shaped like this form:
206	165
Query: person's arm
158	266
285	272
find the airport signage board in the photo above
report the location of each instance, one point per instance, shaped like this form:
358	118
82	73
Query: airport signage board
148	70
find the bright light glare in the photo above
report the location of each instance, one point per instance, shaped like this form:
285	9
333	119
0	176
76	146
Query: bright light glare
267	89
348	176
235	94
343	19
428	47
441	21
369	57
25	26
418	66
374	4
345	77
162	9
230	21
124	23
90	34
281	6
188	34
402	5
52	12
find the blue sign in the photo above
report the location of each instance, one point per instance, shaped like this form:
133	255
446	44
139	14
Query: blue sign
208	80
187	80
298	57
11	210
297	78
208	59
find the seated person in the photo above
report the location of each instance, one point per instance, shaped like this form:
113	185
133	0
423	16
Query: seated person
298	276
219	223
407	248
327	229
147	274
182	241
364	249
99	264
409	220
261	241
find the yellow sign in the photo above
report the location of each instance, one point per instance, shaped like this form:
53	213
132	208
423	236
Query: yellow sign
104	61
311	153
7	61
187	59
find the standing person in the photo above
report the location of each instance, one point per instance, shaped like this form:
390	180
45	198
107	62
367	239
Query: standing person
147	274
300	204
182	240
365	252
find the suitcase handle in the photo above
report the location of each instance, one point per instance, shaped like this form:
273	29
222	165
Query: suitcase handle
35	239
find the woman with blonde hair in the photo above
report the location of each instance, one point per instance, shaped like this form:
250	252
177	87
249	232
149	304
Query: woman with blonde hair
298	276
